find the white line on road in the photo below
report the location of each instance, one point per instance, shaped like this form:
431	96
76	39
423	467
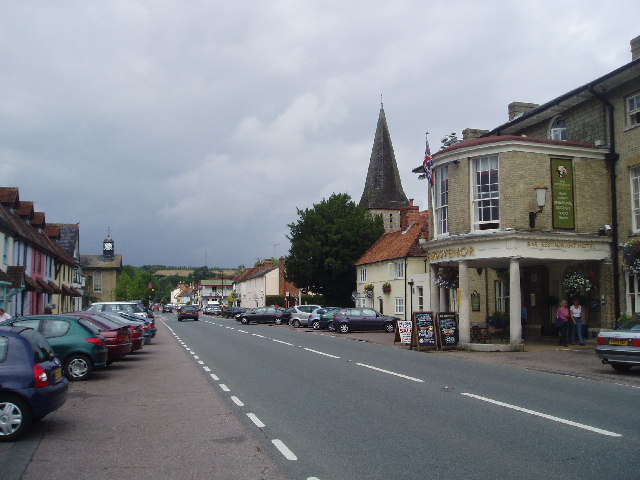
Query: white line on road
242	331
200	362
284	450
320	353
206	369
280	341
214	376
413	379
544	415
196	357
224	387
237	401
192	352
255	420
258	335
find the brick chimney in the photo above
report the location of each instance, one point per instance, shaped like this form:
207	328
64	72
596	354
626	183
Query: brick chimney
518	108
470	133
412	214
635	48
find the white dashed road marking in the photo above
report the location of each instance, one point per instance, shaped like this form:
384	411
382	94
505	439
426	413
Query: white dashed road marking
237	401
255	420
214	376
413	379
224	387
544	415
320	353
284	450
206	369
284	343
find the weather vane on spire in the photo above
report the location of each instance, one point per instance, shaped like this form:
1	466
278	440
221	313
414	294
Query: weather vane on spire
381	102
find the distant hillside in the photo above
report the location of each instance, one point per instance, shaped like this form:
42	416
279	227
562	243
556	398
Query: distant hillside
168	273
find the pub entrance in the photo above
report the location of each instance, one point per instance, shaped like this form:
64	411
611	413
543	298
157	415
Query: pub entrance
534	285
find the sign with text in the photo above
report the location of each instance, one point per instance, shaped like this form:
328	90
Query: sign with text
405	328
426	329
562	193
448	329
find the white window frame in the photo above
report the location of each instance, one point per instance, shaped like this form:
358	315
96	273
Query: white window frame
441	200
632	110
399	305
502	295
363	275
485	200
420	299
97	281
558	133
634	180
398	270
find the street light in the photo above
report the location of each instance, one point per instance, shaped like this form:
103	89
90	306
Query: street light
411	284
541	201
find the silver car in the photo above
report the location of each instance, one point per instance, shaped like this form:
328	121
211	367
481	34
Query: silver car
620	348
300	315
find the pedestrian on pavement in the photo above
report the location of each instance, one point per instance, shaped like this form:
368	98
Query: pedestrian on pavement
523	319
48	310
576	322
563	317
4	315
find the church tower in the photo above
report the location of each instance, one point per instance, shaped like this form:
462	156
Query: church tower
383	194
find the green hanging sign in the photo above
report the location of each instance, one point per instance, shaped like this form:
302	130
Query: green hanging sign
562	193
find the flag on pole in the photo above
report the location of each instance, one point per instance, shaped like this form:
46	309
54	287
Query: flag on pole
428	162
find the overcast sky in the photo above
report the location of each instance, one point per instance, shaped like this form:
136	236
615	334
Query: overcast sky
194	129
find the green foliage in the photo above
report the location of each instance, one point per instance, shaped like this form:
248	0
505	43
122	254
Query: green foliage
133	284
326	241
306	300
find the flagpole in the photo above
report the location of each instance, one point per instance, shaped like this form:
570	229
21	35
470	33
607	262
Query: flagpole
432	196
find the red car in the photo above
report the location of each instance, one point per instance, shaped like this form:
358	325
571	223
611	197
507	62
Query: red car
136	329
117	337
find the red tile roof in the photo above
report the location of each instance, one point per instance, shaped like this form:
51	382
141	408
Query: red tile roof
25	209
9	196
396	244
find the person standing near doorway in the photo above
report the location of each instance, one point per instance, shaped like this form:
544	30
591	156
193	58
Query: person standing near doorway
563	316
576	322
4	315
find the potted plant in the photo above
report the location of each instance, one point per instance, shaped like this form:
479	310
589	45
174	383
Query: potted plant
631	256
575	282
386	288
368	290
447	277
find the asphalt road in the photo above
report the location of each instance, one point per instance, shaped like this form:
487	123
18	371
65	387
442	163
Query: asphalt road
329	408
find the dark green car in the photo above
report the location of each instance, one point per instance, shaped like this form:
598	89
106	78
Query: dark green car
75	341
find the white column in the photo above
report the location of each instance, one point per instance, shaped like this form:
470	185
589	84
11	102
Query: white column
515	301
465	302
434	291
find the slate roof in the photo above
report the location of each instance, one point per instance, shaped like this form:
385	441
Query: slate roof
66	235
16	273
99	261
396	244
383	188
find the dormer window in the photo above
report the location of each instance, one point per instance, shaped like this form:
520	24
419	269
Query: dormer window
558	130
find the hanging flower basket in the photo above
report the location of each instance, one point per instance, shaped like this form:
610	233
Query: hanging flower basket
386	288
447	277
368	290
576	282
631	255
502	273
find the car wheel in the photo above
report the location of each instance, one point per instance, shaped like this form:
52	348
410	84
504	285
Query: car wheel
344	328
244	320
278	321
77	368
295	323
316	324
620	367
389	327
330	327
15	418
179	319
196	319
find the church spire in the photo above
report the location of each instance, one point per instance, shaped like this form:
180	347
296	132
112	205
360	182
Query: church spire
383	188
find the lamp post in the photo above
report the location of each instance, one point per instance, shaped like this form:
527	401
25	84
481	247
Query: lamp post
411	284
541	201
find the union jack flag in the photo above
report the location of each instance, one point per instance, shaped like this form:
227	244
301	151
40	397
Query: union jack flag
428	163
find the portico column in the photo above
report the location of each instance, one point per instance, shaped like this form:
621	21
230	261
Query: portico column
434	291
465	302
515	302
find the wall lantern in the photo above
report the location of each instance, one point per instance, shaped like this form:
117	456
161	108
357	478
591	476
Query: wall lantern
541	201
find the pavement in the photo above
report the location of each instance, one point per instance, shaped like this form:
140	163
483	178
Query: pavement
153	416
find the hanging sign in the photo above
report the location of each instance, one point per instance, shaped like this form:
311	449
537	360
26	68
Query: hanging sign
426	329
562	193
448	329
405	329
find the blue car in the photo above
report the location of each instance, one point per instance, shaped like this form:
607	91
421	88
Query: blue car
31	380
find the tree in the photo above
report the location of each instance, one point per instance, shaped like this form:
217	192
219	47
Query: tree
326	241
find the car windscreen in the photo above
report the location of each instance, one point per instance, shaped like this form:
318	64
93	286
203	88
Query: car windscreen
42	351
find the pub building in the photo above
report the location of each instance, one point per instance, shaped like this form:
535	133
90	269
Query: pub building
516	222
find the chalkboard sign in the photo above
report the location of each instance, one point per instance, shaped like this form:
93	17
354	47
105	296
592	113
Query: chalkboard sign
425	328
448	329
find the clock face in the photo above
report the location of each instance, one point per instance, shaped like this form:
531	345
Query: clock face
108	246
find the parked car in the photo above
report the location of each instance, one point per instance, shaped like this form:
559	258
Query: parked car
31	380
189	311
620	348
150	324
213	310
238	316
285	318
260	315
113	320
347	320
115	307
77	343
117	337
325	318
300	315
167	309
231	312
